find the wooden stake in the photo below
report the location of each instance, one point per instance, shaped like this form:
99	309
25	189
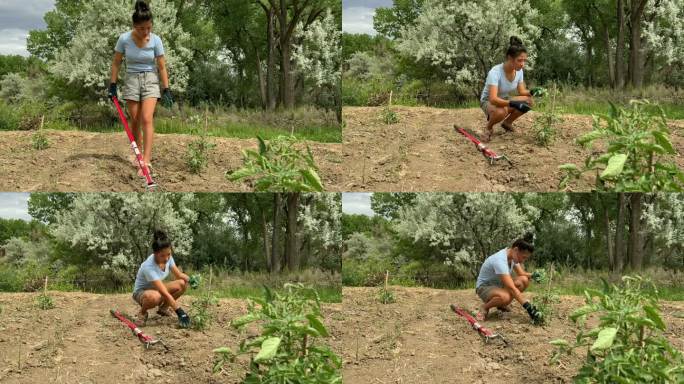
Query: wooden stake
210	275
386	279
45	286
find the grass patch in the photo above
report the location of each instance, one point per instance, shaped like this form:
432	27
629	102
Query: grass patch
249	131
327	294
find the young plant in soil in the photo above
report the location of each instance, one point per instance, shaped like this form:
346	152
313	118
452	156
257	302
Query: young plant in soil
548	298
388	116
627	345
45	301
201	309
197	155
279	166
288	349
39	141
544	127
638	144
386	296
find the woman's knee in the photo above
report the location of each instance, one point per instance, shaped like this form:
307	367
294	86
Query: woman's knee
151	296
147	119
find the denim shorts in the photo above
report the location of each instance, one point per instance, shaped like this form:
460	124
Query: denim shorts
485	291
141	86
137	295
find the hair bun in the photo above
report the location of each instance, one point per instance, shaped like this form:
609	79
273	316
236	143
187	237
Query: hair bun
160	235
529	237
142	6
515	40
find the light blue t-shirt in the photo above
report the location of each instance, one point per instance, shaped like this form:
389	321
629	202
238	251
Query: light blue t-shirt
495	265
140	59
149	271
497	77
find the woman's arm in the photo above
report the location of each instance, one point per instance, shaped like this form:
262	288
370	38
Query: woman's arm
116	66
159	286
509	285
523	91
179	274
495	99
518	268
163	74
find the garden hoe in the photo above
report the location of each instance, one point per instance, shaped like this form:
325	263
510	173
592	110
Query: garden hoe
146	340
486	152
486	334
146	171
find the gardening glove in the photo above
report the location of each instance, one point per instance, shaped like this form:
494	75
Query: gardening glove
112	91
520	106
537	277
535	315
183	318
167	98
538	92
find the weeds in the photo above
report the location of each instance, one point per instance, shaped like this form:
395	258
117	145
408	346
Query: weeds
279	166
45	301
287	350
544	127
39	141
637	142
628	345
386	296
546	300
201	311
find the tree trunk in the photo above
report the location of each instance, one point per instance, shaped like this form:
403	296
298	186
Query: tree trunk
636	69
271	61
619	234
292	234
636	248
620	47
275	240
286	31
609	56
264	234
609	238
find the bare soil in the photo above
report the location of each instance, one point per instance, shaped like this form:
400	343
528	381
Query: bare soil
99	162
423	152
419	339
78	341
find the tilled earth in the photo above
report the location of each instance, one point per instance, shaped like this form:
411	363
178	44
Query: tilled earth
423	152
418	339
78	341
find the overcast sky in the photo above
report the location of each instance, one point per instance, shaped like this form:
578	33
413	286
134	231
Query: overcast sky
14	205
357	203
17	18
357	16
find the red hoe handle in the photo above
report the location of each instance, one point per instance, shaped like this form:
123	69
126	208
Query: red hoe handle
134	145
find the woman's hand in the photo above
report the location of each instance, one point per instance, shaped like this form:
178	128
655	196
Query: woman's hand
185	277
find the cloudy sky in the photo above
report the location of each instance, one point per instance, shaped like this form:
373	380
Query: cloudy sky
357	16
357	203
17	17
14	205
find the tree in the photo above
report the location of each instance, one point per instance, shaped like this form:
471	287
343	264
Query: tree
116	229
636	251
460	39
44	207
84	59
388	205
391	21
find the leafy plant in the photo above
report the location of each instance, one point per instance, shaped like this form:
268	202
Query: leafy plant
386	296
638	142
195	281
280	166
197	156
388	116
627	345
39	141
201	311
287	350
544	127
546	301
45	301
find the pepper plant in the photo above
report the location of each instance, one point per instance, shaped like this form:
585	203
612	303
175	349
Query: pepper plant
279	166
288	349
627	345
636	155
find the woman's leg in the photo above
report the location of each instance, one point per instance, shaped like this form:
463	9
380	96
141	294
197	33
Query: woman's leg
176	288
521	282
147	120
149	299
514	113
134	118
498	297
496	115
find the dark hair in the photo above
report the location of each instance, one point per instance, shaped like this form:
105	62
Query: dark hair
515	48
161	240
142	12
526	243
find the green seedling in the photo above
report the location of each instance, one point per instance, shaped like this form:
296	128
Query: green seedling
197	156
545	125
289	348
627	345
195	281
201	311
39	141
386	296
279	166
45	302
388	116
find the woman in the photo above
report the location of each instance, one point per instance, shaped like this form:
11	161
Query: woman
150	290
502	80
497	288
142	49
